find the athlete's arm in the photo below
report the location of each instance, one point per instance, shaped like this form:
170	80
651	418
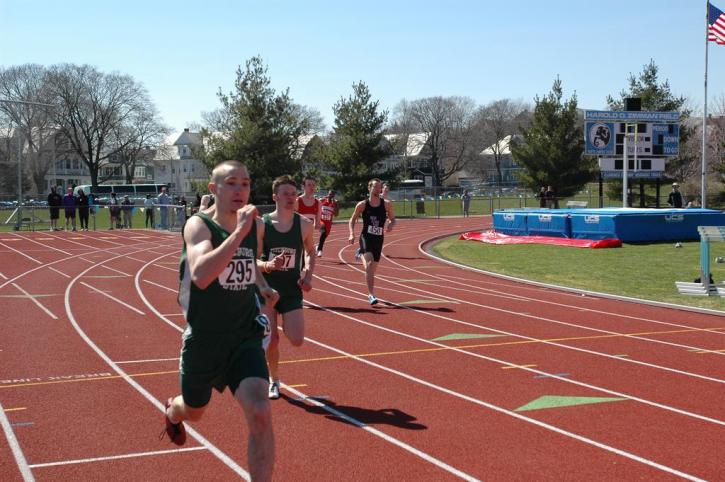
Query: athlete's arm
205	262
317	214
336	208
353	219
390	214
269	294
309	245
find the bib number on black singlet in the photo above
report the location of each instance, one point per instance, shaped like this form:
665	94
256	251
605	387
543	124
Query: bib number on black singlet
238	274
288	255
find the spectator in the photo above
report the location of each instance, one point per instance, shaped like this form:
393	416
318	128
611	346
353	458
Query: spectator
114	208
83	204
195	204
163	201
466	202
675	197
149	208
127	211
183	204
54	202
550	198
69	203
207	201
542	197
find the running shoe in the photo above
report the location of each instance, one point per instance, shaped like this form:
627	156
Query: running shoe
175	431
274	390
319	253
372	299
358	254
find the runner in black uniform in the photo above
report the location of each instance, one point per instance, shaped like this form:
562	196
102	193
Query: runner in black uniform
222	344
375	212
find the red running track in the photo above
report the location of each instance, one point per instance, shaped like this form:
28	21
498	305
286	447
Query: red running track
455	374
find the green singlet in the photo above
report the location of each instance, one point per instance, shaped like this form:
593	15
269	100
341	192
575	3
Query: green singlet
222	344
290	246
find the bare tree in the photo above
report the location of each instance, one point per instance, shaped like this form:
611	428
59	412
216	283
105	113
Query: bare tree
138	139
91	109
27	85
449	125
497	121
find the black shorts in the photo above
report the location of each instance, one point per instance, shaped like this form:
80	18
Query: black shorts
54	213
371	244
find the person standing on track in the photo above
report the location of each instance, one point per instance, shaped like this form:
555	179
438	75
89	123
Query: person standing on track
69	203
222	344
328	210
287	243
307	204
375	211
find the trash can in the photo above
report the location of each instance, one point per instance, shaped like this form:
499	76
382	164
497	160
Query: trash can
420	207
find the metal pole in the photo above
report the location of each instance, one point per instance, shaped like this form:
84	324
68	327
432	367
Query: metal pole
20	180
703	166
625	166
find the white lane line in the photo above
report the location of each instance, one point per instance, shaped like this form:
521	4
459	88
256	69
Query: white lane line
145	300
504	362
161	286
152	360
32	298
176	270
22	254
117	457
116	270
173	314
502	410
224	458
15	447
106	276
3	276
58	271
113	298
428	458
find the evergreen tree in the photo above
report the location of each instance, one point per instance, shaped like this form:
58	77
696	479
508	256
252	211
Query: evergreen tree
257	126
550	149
356	146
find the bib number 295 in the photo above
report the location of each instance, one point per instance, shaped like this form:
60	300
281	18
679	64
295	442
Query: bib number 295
238	273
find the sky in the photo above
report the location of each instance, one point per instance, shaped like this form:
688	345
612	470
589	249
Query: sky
184	52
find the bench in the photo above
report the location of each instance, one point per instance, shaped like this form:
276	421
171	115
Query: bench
576	204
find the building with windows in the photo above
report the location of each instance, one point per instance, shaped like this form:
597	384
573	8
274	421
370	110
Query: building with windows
175	163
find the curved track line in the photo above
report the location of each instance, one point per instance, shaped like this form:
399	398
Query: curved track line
15	447
503	362
498	409
228	461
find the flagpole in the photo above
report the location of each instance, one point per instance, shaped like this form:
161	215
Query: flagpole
703	188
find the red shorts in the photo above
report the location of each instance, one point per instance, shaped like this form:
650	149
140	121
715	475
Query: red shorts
326	225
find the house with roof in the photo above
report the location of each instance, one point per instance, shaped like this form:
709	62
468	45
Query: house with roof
175	163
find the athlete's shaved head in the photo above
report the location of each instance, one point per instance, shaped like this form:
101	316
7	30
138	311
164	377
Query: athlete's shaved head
222	169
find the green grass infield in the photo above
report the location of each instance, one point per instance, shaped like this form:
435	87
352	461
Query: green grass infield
645	271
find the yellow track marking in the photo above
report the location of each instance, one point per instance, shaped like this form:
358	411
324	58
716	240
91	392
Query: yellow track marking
511	367
16	409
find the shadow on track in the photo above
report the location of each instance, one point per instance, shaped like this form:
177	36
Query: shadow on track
383	416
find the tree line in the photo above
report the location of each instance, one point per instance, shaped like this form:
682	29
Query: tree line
110	116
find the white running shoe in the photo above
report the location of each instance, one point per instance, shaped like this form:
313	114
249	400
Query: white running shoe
372	299
319	253
274	390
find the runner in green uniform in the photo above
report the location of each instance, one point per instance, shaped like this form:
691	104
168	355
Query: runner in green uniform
287	238
222	344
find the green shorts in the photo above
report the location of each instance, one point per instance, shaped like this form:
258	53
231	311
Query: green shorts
218	361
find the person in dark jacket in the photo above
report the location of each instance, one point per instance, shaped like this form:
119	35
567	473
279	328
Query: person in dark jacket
83	204
675	197
54	202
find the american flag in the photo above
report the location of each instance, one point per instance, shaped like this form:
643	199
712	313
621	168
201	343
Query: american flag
716	25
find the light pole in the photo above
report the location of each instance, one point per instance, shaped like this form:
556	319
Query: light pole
20	152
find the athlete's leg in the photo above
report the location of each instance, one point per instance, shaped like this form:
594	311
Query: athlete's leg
370	266
178	411
273	347
252	396
293	324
